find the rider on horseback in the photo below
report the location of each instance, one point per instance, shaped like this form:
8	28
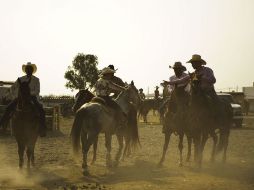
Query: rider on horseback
204	75
206	81
178	83
180	79
104	87
34	85
141	94
115	80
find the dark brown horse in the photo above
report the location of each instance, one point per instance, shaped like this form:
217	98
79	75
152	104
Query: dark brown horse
176	121
150	104
25	125
94	118
203	121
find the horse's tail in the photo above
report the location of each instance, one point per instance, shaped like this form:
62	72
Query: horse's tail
76	132
132	129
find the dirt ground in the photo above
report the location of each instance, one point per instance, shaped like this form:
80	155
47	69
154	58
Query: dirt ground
57	169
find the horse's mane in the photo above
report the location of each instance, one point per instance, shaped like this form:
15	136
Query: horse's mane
98	100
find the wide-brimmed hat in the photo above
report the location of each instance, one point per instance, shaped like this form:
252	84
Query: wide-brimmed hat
107	70
112	67
29	64
178	65
157	87
196	58
141	89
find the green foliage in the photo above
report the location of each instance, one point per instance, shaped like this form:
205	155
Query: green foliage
83	73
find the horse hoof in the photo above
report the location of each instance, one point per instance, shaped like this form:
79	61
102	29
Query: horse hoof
159	165
85	173
109	164
115	164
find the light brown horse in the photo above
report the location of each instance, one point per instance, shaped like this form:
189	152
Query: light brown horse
94	118
85	96
25	125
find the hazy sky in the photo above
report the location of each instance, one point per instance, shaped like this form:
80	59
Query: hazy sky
140	37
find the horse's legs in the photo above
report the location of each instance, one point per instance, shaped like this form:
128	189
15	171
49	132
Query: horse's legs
189	140
145	117
226	136
120	149
108	138
202	146
165	147
215	140
126	148
21	149
32	157
196	141
180	147
87	141
95	150
29	156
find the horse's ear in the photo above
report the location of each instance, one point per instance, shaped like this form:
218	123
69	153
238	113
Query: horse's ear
132	83
19	81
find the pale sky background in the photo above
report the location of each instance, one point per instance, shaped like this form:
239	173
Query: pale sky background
140	37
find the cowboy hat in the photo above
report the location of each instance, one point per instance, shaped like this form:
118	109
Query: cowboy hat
178	65
107	70
141	89
112	67
196	58
29	64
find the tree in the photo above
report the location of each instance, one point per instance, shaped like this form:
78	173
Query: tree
83	73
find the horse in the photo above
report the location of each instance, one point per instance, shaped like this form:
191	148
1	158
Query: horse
202	122
85	96
25	125
176	122
95	117
150	104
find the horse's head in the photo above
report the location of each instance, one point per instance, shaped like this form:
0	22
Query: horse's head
24	94
82	97
195	84
133	95
197	94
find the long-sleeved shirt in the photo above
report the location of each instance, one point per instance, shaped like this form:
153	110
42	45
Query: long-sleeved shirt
104	87
206	76
34	86
142	95
119	82
181	81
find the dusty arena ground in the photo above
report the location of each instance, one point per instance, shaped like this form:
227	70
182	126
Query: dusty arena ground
56	168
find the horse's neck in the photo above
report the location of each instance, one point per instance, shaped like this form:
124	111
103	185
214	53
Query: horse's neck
122	101
24	106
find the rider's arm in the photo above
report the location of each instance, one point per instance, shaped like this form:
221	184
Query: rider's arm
35	87
114	86
182	80
208	76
